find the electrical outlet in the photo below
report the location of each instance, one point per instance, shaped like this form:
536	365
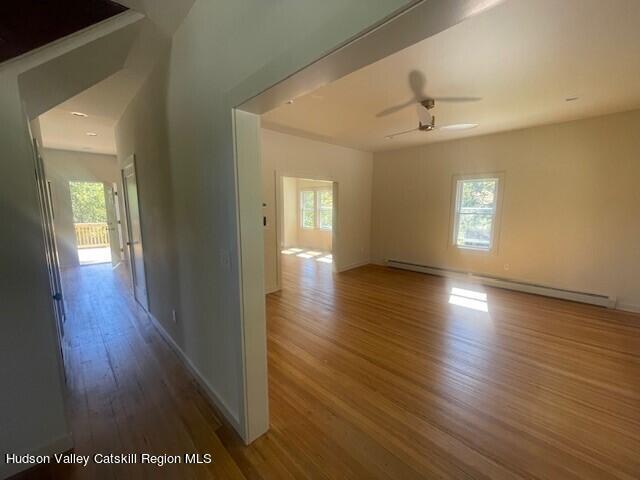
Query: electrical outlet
174	317
507	266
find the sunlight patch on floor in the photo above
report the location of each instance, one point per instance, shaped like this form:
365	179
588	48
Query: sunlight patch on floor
316	255
469	299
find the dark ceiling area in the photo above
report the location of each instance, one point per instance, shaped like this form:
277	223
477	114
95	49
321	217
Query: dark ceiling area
29	24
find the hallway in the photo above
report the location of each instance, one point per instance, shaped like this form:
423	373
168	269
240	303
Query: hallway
128	391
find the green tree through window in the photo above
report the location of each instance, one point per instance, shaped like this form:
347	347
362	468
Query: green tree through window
87	202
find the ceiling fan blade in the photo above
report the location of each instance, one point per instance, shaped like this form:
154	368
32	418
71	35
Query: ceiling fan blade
401	133
456	127
424	115
457	99
394	109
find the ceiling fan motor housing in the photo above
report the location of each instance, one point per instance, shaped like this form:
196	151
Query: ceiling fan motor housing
428	103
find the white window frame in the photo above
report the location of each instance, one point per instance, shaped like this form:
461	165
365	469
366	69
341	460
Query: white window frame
302	209
458	181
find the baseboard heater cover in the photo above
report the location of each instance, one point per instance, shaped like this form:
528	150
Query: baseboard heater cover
582	297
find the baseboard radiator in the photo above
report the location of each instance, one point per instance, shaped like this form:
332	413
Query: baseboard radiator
582	297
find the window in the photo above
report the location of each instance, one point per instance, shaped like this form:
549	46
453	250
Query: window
325	209
475	212
308	209
316	209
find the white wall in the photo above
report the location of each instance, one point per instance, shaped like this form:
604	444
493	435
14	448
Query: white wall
142	131
62	167
288	155
222	54
569	216
32	414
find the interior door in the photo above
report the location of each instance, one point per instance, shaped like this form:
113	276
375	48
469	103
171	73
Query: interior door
112	224
51	248
134	233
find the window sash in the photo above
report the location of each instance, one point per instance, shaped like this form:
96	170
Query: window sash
317	210
323	209
468	212
304	210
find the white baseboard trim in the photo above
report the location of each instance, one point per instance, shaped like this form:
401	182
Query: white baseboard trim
59	445
211	394
351	266
508	284
628	307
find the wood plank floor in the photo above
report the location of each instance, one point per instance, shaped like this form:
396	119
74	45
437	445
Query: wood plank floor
375	374
128	391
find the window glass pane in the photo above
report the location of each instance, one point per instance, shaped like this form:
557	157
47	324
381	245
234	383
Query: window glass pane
325	218
478	194
307	199
474	230
325	199
308	219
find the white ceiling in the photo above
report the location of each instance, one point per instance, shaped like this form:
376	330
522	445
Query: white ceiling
523	59
106	101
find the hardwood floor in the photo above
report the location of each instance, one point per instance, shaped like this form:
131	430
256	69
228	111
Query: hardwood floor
128	391
373	373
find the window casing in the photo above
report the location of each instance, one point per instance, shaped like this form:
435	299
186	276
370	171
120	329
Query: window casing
476	212
316	209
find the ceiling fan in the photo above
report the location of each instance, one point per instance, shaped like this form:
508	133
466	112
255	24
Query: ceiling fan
427	121
423	103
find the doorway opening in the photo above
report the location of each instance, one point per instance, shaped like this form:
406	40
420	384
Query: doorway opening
90	222
307	220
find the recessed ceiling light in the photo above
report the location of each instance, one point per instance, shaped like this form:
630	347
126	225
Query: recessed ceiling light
92	134
459	126
571	99
79	114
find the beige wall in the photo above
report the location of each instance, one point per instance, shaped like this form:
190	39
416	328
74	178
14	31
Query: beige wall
62	167
569	217
288	155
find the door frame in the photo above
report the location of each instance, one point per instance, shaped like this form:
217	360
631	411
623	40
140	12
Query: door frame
131	163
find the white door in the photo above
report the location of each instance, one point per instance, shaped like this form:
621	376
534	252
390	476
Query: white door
112	224
134	232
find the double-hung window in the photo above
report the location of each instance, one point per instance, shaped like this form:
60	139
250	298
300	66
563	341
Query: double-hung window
316	209
308	209
475	218
325	209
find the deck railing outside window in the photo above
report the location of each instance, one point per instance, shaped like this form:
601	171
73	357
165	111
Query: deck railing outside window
91	235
